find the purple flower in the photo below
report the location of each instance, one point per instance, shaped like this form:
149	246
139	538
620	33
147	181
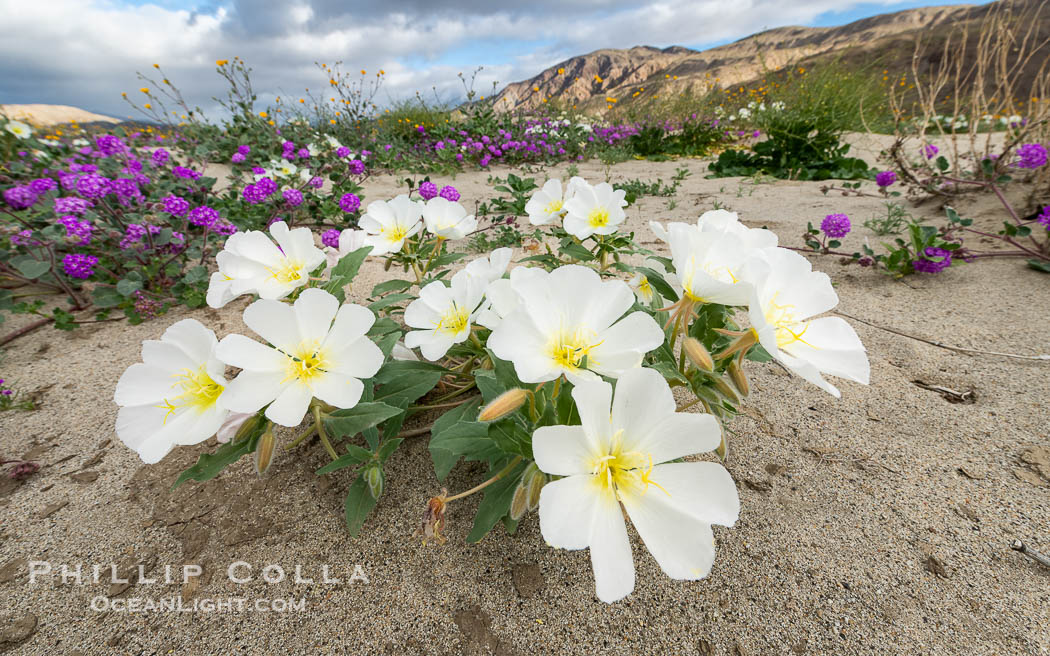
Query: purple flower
1031	156
42	185
450	193
78	265
288	146
93	185
20	197
126	190
342	151
110	145
484	161
183	172
330	238
1044	218
266	185
175	205
237	158
349	203
316	182
885	178
303	153
24	238
293	197
71	205
133	234
224	228
253	194
203	216
258	170
835	226
244	149
160	157
428	190
77	229
930	263
356	166
930	151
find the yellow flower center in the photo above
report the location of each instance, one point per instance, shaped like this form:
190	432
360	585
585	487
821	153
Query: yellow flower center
394	233
645	288
569	349
553	207
454	321
789	328
306	362
598	217
199	392
292	271
623	472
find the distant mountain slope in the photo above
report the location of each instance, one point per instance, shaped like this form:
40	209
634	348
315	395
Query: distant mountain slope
46	115
587	80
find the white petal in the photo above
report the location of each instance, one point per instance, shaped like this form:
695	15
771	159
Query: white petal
166	356
352	321
290	406
564	450
702	490
314	311
566	508
359	358
683	546
337	389
275	322
251	390
611	557
142	384
833	347
192	337
593	402
248	354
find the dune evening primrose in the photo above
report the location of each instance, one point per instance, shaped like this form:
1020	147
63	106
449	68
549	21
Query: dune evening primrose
619	460
708	265
643	290
443	315
546	204
568	316
174	395
250	263
389	223
786	294
19	129
595	210
319	350
446	219
492	266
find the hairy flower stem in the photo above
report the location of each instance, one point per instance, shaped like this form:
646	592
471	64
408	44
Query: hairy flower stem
477	488
321	433
300	437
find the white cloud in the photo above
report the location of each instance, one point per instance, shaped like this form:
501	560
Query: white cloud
85	52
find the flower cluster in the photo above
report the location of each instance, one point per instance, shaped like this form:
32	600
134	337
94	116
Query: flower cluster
78	265
1031	156
835	226
885	178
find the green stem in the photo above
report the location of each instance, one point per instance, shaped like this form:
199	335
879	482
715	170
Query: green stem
477	488
320	433
453	395
300	437
438	406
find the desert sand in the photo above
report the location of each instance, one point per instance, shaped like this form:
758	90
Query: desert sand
879	523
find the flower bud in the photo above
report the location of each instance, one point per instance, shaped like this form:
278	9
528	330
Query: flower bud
237	426
535	486
697	354
725	390
527	494
736	374
264	451
375	479
503	405
519	503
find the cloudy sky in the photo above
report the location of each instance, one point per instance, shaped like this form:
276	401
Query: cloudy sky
86	52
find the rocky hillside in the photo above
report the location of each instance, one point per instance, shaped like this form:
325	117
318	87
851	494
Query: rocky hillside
588	80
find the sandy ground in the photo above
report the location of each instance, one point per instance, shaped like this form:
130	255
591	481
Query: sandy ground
879	523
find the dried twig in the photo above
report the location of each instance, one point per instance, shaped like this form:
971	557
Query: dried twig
959	349
1017	545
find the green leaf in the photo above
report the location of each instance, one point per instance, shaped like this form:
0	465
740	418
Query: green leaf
210	464
1039	265
576	251
31	267
355	456
388	448
390	286
511	437
127	287
658	282
496	503
359	503
387	301
105	296
351	421
401	382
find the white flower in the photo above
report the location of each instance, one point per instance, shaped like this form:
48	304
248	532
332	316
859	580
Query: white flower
786	294
595	209
174	396
310	357
250	263
744	112
443	314
446	219
490	267
19	129
567	315
402	352
231	425
350	240
727	222
389	223
575	184
546	204
708	265
80	142
643	290
305	175
501	299
313	150
283	169
333	142
619	457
